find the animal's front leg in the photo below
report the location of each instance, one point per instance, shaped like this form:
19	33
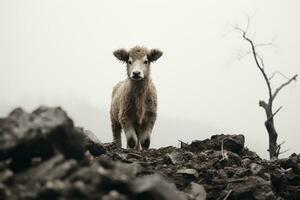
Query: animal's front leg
131	137
147	130
145	139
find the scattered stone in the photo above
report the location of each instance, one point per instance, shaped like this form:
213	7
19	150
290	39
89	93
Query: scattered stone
291	162
155	187
241	172
188	172
286	184
39	134
256	168
253	187
233	143
43	156
246	162
175	158
196	191
93	144
133	155
6	175
4	192
169	159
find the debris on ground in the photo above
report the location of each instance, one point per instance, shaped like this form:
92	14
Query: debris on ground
44	156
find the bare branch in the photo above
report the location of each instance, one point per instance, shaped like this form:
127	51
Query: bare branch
261	61
236	27
182	144
263	104
260	64
274	148
248	23
281	143
224	154
273	115
249	17
227	195
278	152
294	78
278	72
242	55
263	44
266	44
282	152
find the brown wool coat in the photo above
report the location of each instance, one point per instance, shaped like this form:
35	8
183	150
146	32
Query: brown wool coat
133	104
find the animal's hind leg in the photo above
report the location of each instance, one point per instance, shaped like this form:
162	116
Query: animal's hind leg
116	129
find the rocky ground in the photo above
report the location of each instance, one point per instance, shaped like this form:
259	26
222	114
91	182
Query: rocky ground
44	156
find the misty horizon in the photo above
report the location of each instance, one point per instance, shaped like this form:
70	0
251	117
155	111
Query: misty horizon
59	53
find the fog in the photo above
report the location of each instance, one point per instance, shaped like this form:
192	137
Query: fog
59	53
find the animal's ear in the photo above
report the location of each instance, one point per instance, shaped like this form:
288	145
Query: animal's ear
121	54
154	54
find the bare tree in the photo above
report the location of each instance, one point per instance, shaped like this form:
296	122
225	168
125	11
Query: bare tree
274	147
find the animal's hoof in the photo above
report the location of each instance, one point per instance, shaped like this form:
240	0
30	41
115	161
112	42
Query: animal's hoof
131	143
146	144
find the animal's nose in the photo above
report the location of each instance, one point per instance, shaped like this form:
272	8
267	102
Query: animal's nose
136	73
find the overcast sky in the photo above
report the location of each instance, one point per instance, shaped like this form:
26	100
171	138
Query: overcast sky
59	52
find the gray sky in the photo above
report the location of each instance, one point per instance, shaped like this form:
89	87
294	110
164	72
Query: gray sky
60	53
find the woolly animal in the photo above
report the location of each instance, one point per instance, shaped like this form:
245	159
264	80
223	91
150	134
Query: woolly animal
134	100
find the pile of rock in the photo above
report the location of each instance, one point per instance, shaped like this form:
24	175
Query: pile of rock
43	156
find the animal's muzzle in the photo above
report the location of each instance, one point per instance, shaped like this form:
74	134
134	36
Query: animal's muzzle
136	75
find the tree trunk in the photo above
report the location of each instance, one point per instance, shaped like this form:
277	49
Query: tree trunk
272	138
269	124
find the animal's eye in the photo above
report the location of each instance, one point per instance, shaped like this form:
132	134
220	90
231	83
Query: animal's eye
146	62
129	62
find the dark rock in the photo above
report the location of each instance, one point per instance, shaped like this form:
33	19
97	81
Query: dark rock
287	185
291	162
169	159
188	155
246	162
252	187
196	191
114	195
155	187
42	156
256	168
4	192
188	172
175	158
233	143
40	173
39	134
241	172
133	155
199	145
93	144
6	175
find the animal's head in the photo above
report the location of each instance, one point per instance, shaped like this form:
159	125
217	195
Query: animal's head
138	60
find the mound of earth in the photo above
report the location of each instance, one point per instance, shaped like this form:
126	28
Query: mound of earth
44	156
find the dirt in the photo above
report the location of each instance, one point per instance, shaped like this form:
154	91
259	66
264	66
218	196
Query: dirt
44	156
